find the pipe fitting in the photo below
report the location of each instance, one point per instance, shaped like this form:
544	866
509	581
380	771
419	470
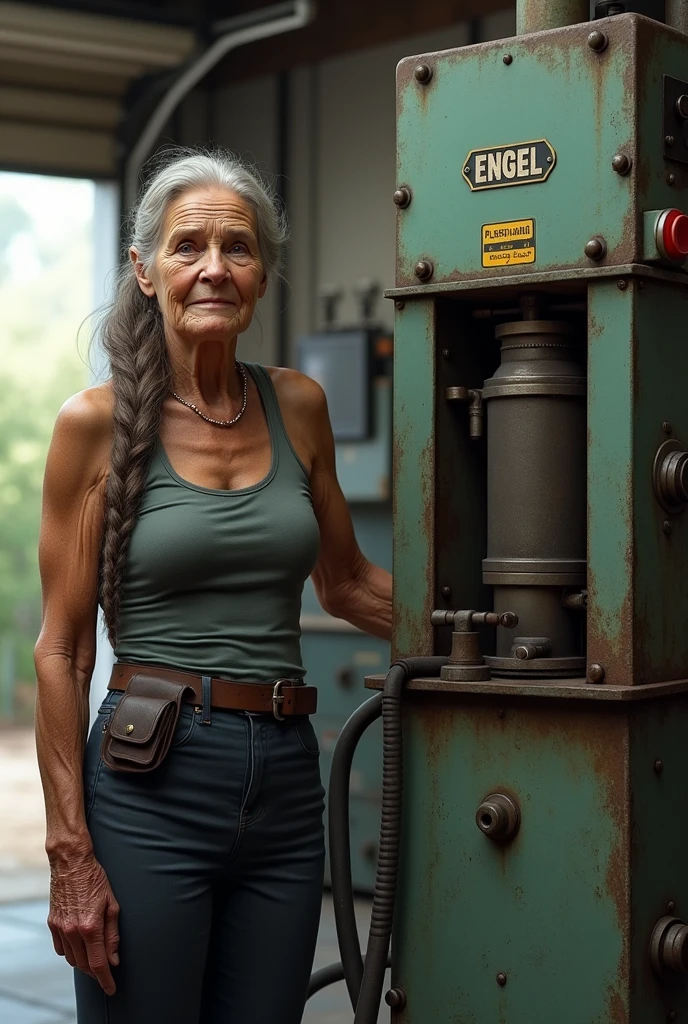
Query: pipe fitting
498	817
669	947
526	648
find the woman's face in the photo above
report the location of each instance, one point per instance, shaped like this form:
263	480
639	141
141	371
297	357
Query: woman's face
207	274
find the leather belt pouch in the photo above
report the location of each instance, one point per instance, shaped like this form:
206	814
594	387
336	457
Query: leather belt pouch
143	724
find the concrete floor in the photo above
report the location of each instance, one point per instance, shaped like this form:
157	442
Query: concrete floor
36	985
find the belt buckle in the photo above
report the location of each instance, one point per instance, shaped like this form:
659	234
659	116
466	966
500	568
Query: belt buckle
278	699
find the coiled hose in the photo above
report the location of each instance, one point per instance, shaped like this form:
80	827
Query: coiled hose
364	982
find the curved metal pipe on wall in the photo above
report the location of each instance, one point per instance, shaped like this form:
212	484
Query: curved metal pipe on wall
272	21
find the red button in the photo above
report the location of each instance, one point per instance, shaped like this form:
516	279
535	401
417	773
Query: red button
675	236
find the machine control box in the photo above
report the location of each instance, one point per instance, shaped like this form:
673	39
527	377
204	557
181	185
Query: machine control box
490	143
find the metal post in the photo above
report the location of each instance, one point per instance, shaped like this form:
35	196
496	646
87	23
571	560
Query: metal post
677	14
536	15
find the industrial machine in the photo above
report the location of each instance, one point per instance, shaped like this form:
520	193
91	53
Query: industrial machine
540	545
353	364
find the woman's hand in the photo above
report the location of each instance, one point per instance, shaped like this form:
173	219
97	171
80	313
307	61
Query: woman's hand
83	919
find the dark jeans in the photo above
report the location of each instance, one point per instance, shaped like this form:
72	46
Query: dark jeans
216	859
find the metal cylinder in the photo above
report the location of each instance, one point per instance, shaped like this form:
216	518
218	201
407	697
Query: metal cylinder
536	15
677	14
536	492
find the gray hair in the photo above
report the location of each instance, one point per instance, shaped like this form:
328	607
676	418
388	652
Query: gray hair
133	338
185	169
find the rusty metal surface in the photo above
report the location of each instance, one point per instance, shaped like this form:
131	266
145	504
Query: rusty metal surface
415	394
676	14
567	689
537	15
551	910
590	106
559	280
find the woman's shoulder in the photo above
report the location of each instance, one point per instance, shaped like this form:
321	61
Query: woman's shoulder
294	388
83	431
89	412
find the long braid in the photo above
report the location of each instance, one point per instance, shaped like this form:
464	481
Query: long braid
133	337
141	378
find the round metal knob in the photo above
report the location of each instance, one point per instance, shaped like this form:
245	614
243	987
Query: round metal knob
423	74
424	269
498	817
596	248
402	197
669	947
598	41
622	163
396	998
682	106
674	473
670	476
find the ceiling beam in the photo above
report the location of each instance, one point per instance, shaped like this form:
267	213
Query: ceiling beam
345	25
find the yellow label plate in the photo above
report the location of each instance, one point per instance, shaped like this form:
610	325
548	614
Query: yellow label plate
509	243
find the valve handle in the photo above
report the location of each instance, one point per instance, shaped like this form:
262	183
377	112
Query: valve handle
466	621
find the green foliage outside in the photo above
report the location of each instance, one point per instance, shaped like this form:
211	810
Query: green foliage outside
45	294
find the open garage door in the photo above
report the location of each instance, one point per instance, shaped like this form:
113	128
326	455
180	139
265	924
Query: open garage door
64	76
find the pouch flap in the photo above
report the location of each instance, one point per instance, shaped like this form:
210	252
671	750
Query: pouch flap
135	717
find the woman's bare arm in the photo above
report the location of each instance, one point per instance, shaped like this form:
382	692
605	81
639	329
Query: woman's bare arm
347	585
81	917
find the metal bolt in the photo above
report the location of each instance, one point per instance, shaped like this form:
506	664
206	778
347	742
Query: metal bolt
424	269
396	998
501	979
446	592
668	526
667	427
682	106
402	197
498	817
596	673
446	354
622	163
507	58
596	248
400	305
423	74
671	906
598	41
658	767
622	284
549	159
671	179
669	140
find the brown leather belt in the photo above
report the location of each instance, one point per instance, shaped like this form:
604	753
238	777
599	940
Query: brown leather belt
281	698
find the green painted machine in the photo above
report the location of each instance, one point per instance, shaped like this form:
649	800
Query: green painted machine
541	475
535	857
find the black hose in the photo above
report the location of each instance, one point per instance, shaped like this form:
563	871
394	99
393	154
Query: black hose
364	983
368	1004
340	845
328	976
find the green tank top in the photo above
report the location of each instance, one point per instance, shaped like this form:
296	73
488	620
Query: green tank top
214	578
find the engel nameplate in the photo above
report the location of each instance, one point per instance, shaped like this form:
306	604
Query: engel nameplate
521	163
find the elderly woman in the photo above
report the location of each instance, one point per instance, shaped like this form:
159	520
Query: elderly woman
190	495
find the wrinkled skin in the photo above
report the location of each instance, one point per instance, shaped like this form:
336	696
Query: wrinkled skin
83	920
207	278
